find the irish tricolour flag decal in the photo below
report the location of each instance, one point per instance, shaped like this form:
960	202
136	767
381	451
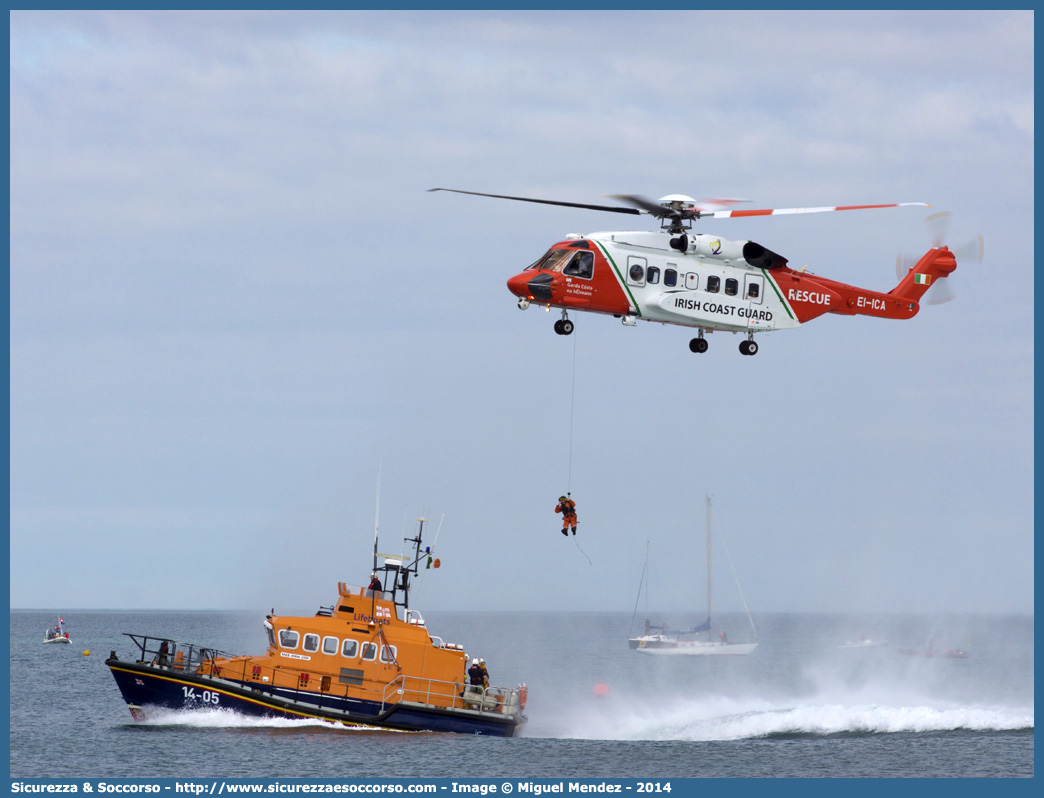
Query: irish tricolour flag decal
922	279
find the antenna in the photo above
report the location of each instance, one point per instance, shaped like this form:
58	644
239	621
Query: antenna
377	515
376	524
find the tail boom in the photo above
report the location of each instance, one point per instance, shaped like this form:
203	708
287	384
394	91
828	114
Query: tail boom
902	302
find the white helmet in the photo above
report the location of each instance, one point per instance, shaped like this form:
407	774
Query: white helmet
482	661
474	662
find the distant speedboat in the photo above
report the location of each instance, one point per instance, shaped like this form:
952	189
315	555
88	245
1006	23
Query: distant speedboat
697	641
944	653
932	651
864	642
57	634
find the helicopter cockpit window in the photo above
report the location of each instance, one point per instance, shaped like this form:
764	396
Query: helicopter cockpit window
652	275
582	265
554	260
670	277
713	284
731	286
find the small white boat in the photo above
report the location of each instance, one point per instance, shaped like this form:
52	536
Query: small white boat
57	634
677	645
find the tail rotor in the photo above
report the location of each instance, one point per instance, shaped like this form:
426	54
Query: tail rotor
971	251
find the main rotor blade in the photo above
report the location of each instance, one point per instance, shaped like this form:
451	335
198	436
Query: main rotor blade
647	205
611	208
785	211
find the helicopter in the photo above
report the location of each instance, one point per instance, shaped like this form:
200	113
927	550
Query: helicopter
677	276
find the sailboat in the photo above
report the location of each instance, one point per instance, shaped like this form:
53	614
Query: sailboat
699	640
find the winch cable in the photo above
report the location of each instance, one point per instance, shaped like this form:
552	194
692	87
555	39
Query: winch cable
572	397
572	404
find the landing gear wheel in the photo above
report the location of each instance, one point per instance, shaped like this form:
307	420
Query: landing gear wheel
748	348
558	327
698	345
567	327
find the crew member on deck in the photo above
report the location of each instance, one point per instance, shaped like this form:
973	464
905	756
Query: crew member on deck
375	583
478	676
567	507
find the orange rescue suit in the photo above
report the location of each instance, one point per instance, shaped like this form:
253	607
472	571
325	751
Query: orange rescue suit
567	508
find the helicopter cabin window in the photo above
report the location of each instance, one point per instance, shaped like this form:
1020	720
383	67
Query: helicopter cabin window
731	286
670	277
311	643
369	651
554	260
582	265
636	270
388	654
350	649
330	645
653	275
752	286
713	284
288	638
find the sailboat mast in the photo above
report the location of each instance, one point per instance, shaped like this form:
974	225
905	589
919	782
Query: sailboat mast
708	560
647	586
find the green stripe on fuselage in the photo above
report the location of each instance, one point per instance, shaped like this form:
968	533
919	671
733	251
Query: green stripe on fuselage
608	257
786	305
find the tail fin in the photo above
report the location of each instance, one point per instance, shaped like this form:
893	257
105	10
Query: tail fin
935	265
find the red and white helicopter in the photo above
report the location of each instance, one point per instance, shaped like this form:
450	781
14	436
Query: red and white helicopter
675	276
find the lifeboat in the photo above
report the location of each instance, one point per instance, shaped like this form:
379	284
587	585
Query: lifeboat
366	660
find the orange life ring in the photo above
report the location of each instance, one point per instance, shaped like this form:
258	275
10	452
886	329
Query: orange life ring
523	695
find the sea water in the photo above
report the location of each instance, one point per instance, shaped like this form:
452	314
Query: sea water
799	706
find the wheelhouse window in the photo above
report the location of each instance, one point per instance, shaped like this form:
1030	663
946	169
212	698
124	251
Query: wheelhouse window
731	286
288	638
330	645
713	284
350	649
311	643
582	265
369	651
670	277
388	653
554	260
652	276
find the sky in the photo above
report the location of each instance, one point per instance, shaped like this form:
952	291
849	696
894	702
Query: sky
235	309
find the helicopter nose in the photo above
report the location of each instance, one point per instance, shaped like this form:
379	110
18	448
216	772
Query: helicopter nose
517	285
